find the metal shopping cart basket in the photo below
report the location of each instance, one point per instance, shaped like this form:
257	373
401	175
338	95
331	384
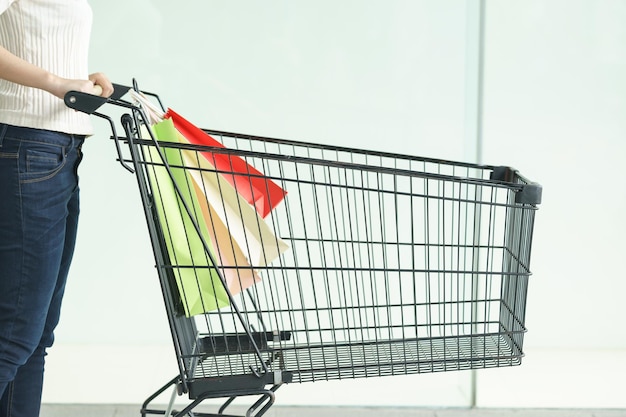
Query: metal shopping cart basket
386	264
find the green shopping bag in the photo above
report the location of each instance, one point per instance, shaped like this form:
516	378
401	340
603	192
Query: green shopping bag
198	281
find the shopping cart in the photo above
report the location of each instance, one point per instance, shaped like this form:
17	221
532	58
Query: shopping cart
395	265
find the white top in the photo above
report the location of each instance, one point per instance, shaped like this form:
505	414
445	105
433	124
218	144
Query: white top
54	35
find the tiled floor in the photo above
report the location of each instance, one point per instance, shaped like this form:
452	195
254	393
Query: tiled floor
59	410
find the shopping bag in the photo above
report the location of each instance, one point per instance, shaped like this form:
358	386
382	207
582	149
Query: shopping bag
233	265
237	232
228	229
249	182
189	247
199	285
248	231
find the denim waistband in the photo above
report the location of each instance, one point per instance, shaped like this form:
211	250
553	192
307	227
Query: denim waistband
36	135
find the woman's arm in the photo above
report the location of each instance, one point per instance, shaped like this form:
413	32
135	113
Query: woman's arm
16	70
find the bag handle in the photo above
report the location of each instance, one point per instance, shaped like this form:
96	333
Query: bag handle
152	111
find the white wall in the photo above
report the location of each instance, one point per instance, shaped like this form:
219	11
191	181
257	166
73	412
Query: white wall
381	75
555	107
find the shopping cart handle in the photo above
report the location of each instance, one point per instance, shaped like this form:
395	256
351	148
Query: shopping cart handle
89	103
84	102
118	91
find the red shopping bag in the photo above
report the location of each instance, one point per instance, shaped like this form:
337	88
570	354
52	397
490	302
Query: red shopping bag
251	184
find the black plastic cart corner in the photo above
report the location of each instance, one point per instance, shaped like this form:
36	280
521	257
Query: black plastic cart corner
396	265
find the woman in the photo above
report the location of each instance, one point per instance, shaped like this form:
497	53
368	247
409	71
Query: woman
43	55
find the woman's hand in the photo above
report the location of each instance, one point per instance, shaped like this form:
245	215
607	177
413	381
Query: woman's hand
102	81
97	84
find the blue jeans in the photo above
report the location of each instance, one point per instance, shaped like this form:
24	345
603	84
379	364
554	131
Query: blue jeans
39	206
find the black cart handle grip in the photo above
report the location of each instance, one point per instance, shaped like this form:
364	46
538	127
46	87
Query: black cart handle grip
89	103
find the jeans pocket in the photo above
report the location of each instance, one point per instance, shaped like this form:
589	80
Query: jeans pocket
42	161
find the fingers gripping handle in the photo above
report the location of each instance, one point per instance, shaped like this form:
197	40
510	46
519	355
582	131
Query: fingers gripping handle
97	90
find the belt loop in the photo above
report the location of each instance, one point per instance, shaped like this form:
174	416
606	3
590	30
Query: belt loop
3	131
